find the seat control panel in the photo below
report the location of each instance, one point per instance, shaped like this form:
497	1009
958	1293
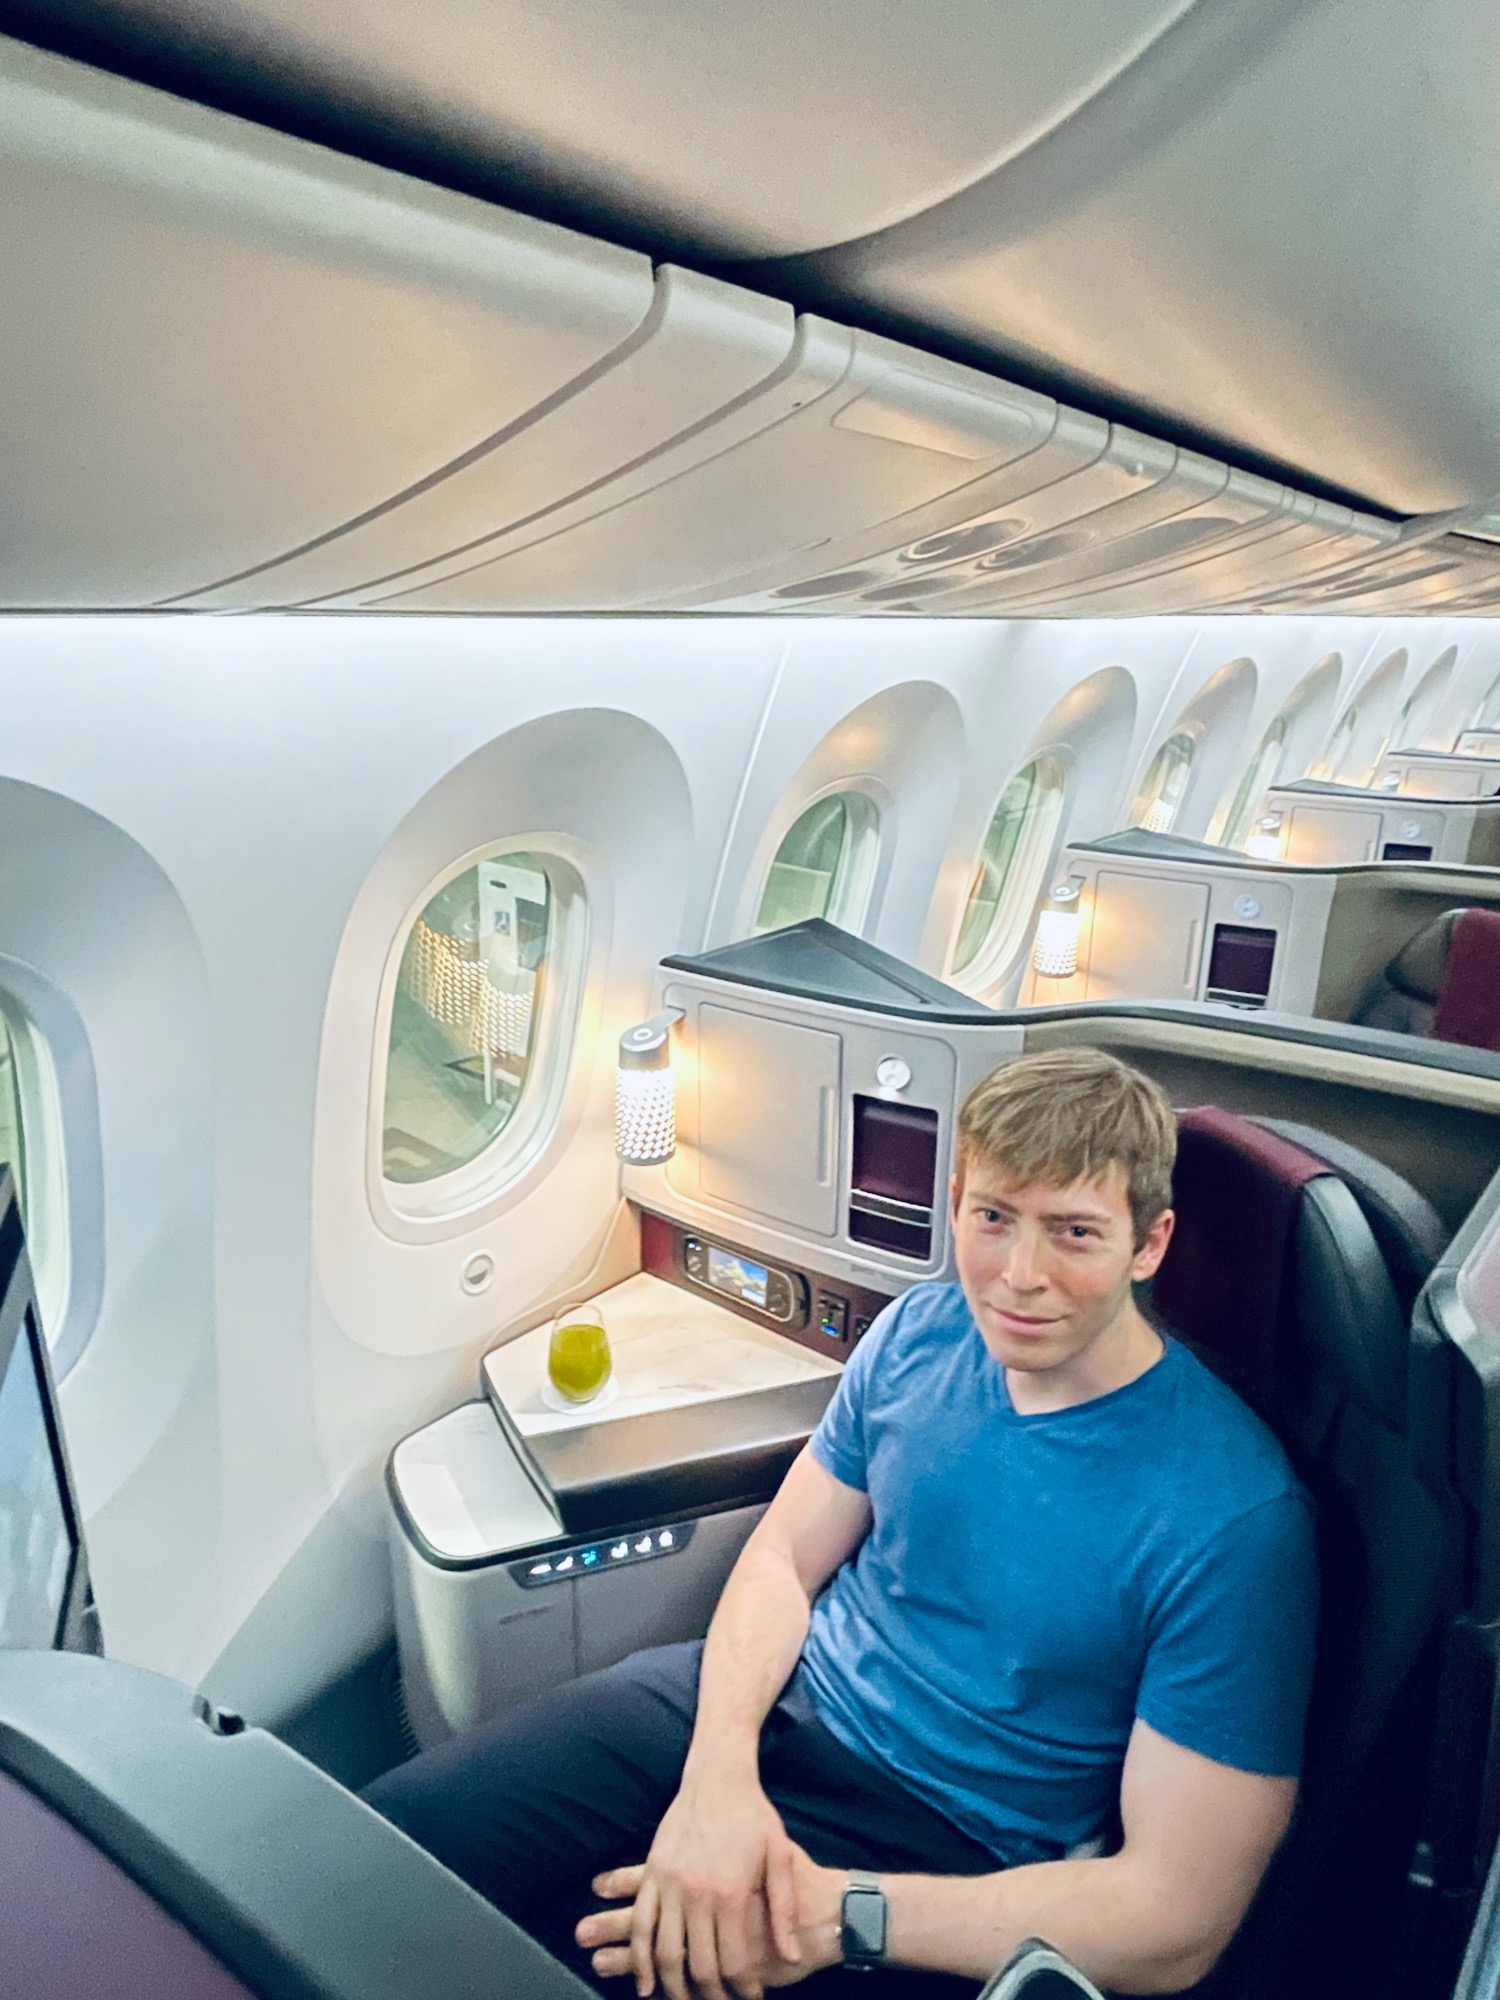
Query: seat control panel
779	1295
828	1314
604	1553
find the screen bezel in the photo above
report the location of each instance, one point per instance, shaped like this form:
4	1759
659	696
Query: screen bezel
77	1624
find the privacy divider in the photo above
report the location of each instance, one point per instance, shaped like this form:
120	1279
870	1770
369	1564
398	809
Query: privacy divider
824	1024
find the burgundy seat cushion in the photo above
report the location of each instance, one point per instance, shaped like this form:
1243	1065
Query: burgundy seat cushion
1236	1194
1468	1006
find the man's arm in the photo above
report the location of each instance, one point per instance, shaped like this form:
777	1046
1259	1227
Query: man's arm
721	1845
1151	1919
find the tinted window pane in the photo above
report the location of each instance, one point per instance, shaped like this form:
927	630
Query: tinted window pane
1009	875
825	865
463	1024
12	1139
36	1546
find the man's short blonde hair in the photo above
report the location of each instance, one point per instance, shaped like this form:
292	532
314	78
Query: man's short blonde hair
1049	1120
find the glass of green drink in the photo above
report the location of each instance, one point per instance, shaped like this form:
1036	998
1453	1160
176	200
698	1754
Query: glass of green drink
578	1357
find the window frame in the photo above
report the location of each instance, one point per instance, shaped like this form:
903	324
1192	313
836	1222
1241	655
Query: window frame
851	898
458	1194
1008	936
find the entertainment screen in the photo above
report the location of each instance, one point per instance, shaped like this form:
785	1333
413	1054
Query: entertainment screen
36	1533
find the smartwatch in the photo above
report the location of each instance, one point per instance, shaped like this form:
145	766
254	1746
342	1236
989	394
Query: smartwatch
862	1930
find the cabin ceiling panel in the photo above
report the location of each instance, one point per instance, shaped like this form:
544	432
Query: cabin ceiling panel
761	130
240	372
218	344
1279	227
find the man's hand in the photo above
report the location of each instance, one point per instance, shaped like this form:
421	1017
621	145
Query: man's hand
717	1888
818	1894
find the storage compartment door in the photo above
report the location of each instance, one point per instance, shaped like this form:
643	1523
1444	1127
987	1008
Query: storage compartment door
1324	837
1147	937
768	1096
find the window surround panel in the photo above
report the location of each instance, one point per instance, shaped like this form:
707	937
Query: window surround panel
503	1168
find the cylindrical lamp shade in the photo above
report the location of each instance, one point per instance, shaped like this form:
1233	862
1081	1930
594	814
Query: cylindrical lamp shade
1264	843
1055	954
1159	816
645	1107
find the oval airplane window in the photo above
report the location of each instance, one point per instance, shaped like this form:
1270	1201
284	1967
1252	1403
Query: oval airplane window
825	865
1010	874
1164	785
466	1015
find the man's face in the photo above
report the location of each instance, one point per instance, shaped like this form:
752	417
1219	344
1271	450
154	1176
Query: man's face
1048	1270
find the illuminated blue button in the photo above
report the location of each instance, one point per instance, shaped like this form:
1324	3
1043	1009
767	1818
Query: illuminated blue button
589	1558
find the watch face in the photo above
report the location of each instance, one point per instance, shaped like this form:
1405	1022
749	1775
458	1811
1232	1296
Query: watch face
863	1932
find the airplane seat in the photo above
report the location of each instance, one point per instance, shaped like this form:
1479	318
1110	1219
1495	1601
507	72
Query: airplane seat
1443	982
1292	1273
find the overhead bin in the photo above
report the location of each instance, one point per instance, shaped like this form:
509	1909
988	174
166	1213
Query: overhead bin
867	433
219	344
243	372
708	362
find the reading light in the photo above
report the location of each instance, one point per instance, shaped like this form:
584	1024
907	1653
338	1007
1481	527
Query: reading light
645	1109
1055	954
1264	843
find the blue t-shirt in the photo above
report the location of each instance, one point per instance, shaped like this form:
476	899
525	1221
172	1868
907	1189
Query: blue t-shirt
1032	1584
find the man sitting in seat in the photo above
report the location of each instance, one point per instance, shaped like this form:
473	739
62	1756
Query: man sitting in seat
1037	1572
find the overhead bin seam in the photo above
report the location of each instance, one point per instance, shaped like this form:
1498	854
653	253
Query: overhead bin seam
805	326
648	325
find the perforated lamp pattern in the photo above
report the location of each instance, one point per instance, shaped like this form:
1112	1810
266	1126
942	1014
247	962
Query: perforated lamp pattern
645	1104
1055	954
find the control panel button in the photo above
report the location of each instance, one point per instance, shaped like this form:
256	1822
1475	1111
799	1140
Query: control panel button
695	1259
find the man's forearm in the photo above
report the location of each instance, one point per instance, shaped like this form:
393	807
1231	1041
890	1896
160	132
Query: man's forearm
752	1646
1111	1917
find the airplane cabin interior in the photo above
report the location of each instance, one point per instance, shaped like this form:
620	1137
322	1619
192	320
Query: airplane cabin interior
603	608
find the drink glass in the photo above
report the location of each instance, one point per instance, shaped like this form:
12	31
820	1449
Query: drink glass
578	1357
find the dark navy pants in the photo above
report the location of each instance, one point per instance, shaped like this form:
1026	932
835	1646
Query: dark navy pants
528	1808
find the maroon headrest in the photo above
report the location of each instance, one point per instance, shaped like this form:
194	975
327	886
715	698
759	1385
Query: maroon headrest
1235	1192
1468	1006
